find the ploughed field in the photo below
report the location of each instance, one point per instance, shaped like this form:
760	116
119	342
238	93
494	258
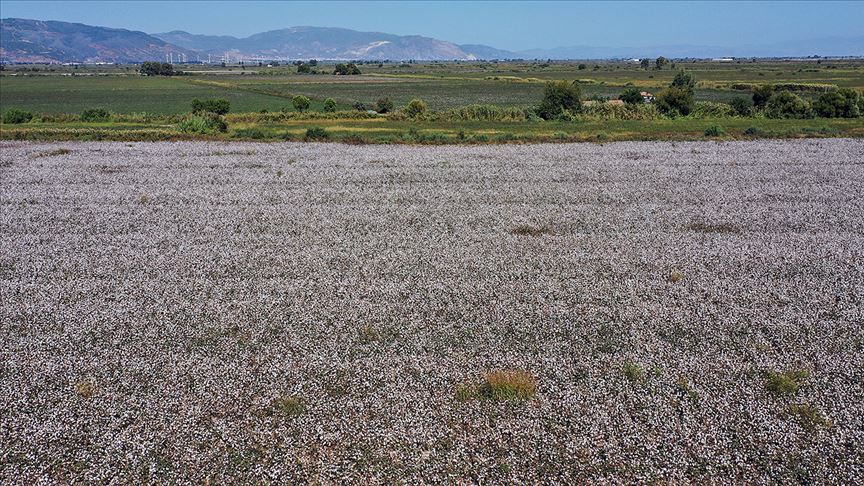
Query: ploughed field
288	312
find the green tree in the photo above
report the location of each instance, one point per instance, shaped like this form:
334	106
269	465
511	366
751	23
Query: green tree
384	105
349	69
416	108
558	97
675	101
220	106
660	62
645	63
304	68
841	103
761	95
741	105
329	105
301	103
14	116
785	104
151	68
631	96
684	80
582	67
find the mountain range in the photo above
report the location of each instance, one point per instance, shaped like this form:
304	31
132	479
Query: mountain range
24	40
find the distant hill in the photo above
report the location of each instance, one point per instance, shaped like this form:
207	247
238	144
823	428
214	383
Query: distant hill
23	40
332	43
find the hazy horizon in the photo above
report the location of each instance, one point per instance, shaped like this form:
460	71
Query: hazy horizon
514	26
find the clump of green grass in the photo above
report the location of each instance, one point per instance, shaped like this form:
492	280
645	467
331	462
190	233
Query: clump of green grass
530	230
787	382
143	199
808	415
753	131
634	372
714	131
506	385
279	173
85	388
290	405
676	276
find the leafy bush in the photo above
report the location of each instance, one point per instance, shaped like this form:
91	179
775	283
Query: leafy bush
753	131
151	68
329	105
741	105
203	123
714	131
675	101
384	105
14	116
316	133
304	68
560	97
416	108
301	103
788	105
346	69
761	95
359	106
220	106
843	103
684	80
631	96
95	115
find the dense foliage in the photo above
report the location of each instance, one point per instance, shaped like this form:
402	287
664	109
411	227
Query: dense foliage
560	99
152	68
220	106
843	103
346	69
415	108
301	103
329	105
14	116
786	104
205	123
384	105
631	96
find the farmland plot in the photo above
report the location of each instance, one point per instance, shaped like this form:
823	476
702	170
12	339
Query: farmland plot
631	312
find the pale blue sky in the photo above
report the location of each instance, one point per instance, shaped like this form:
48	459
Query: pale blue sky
506	25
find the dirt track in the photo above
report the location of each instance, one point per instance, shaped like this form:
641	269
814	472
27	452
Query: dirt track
157	299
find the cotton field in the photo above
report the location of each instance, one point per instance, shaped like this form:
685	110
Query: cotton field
634	312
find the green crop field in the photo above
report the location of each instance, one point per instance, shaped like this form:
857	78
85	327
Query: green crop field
57	94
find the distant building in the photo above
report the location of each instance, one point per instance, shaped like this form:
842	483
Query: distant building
647	97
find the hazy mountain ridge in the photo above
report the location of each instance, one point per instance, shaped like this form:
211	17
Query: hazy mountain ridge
24	40
331	43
